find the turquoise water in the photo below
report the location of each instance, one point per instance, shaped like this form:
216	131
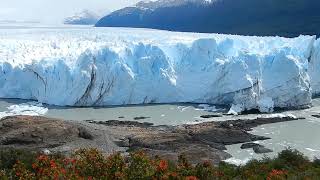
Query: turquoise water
302	135
162	114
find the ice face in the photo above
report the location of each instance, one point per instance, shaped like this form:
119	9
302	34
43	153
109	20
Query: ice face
314	69
116	66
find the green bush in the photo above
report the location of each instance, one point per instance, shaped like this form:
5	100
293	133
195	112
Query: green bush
292	160
92	164
139	166
115	167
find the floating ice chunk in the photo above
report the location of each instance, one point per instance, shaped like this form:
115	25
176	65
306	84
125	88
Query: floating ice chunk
292	116
236	161
277	115
280	115
183	108
312	150
30	108
207	107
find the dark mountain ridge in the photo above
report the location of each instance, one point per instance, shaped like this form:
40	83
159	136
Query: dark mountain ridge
245	17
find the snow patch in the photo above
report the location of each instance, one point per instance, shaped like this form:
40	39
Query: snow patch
84	17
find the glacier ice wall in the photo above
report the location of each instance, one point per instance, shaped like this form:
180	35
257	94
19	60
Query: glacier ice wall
314	69
122	66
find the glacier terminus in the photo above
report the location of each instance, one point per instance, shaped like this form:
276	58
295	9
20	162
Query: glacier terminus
122	66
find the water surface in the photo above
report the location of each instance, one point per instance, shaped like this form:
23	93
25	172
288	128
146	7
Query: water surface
302	135
161	114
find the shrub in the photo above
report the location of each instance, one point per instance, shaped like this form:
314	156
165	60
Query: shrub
139	166
228	170
291	160
92	164
184	168
206	171
8	157
21	172
115	167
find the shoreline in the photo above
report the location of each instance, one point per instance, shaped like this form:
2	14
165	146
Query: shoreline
199	142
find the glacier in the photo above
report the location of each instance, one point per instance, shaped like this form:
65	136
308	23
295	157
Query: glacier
122	66
314	69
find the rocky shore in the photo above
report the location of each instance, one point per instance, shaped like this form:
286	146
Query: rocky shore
198	142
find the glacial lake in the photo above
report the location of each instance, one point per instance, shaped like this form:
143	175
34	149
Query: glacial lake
160	114
302	135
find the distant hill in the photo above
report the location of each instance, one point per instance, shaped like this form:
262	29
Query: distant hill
245	17
83	18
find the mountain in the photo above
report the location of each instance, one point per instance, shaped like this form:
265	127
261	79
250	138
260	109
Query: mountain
288	18
151	5
83	18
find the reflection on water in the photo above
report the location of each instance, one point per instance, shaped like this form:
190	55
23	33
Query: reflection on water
162	114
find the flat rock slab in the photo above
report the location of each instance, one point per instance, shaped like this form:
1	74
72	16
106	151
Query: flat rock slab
195	153
141	117
121	123
226	136
198	142
247	124
257	148
261	150
249	145
210	116
34	132
316	115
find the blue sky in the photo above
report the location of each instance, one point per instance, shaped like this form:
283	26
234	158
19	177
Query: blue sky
54	11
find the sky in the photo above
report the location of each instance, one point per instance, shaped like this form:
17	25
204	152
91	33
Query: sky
54	11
